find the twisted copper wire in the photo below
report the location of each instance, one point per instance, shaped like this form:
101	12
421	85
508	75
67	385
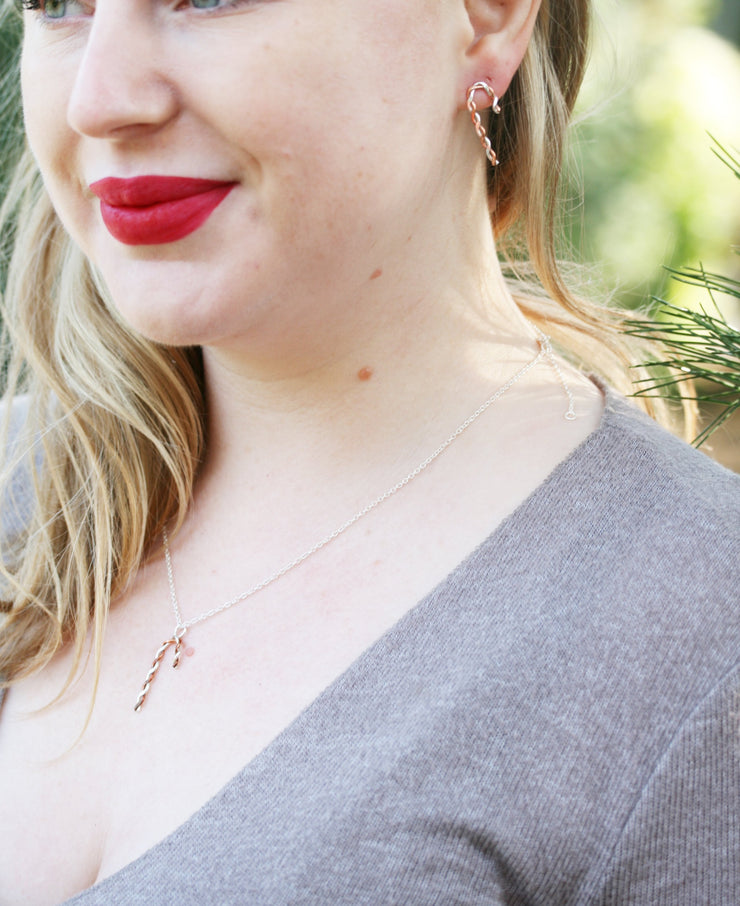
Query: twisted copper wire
475	116
176	640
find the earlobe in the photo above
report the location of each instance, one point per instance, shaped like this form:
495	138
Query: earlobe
502	30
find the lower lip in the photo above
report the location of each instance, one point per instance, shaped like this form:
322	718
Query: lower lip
164	221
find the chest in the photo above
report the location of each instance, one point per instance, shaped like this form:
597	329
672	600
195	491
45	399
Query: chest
85	809
424	774
88	807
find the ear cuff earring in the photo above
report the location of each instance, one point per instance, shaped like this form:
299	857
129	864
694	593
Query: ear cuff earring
475	117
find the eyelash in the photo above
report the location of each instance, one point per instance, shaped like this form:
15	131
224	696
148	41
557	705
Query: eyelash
37	5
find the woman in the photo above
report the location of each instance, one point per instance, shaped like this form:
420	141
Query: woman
453	623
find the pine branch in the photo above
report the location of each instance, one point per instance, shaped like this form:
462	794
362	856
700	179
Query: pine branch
699	346
726	156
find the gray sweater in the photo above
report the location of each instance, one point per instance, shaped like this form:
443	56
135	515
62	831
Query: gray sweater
557	723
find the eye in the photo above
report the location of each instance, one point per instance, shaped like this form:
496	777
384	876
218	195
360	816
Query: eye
54	9
212	4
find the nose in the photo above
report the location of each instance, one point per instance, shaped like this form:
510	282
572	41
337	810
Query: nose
120	85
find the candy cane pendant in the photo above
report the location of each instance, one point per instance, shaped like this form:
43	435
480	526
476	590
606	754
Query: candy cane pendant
176	640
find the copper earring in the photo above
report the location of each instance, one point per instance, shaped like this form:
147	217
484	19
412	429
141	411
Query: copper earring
475	117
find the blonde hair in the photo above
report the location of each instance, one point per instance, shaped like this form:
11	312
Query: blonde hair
117	423
530	137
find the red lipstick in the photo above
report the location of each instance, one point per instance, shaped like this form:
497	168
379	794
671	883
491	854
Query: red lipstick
151	210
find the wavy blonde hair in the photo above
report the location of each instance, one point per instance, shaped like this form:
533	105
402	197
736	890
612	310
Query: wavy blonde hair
118	423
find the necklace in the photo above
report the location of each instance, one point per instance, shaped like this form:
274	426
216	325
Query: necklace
182	626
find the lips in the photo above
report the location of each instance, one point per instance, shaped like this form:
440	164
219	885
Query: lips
152	210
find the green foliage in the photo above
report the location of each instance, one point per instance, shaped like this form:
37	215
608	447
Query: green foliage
654	195
11	121
700	347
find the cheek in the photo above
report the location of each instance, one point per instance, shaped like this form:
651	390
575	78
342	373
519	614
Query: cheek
45	87
46	83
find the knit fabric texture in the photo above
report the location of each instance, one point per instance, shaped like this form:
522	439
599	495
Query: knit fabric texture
558	722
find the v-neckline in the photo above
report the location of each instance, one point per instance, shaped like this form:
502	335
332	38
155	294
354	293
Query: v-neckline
390	640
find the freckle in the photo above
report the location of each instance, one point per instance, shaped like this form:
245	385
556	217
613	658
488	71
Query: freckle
364	374
376	273
189	651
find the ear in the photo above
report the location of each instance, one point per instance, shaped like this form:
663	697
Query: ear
502	30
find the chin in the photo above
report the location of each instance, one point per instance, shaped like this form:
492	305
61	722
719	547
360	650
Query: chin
162	304
179	297
185	319
168	325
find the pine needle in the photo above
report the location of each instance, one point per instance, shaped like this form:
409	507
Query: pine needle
698	346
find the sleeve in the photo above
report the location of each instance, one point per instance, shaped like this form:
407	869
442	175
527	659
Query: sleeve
681	843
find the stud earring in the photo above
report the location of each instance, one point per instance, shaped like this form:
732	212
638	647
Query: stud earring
475	117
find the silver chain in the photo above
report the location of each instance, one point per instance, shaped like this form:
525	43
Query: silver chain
544	352
182	625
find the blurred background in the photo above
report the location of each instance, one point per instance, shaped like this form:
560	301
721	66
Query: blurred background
646	189
664	76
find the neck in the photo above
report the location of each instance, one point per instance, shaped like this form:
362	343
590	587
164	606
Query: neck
348	376
365	387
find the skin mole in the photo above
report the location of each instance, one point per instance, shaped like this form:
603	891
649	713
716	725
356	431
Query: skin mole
365	373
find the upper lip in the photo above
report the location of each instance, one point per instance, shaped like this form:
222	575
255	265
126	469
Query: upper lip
141	191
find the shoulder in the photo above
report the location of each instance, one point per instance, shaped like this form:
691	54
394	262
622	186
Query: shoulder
618	581
668	513
653	462
625	563
646	529
610	603
649	501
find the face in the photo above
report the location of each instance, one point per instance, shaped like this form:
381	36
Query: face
225	165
